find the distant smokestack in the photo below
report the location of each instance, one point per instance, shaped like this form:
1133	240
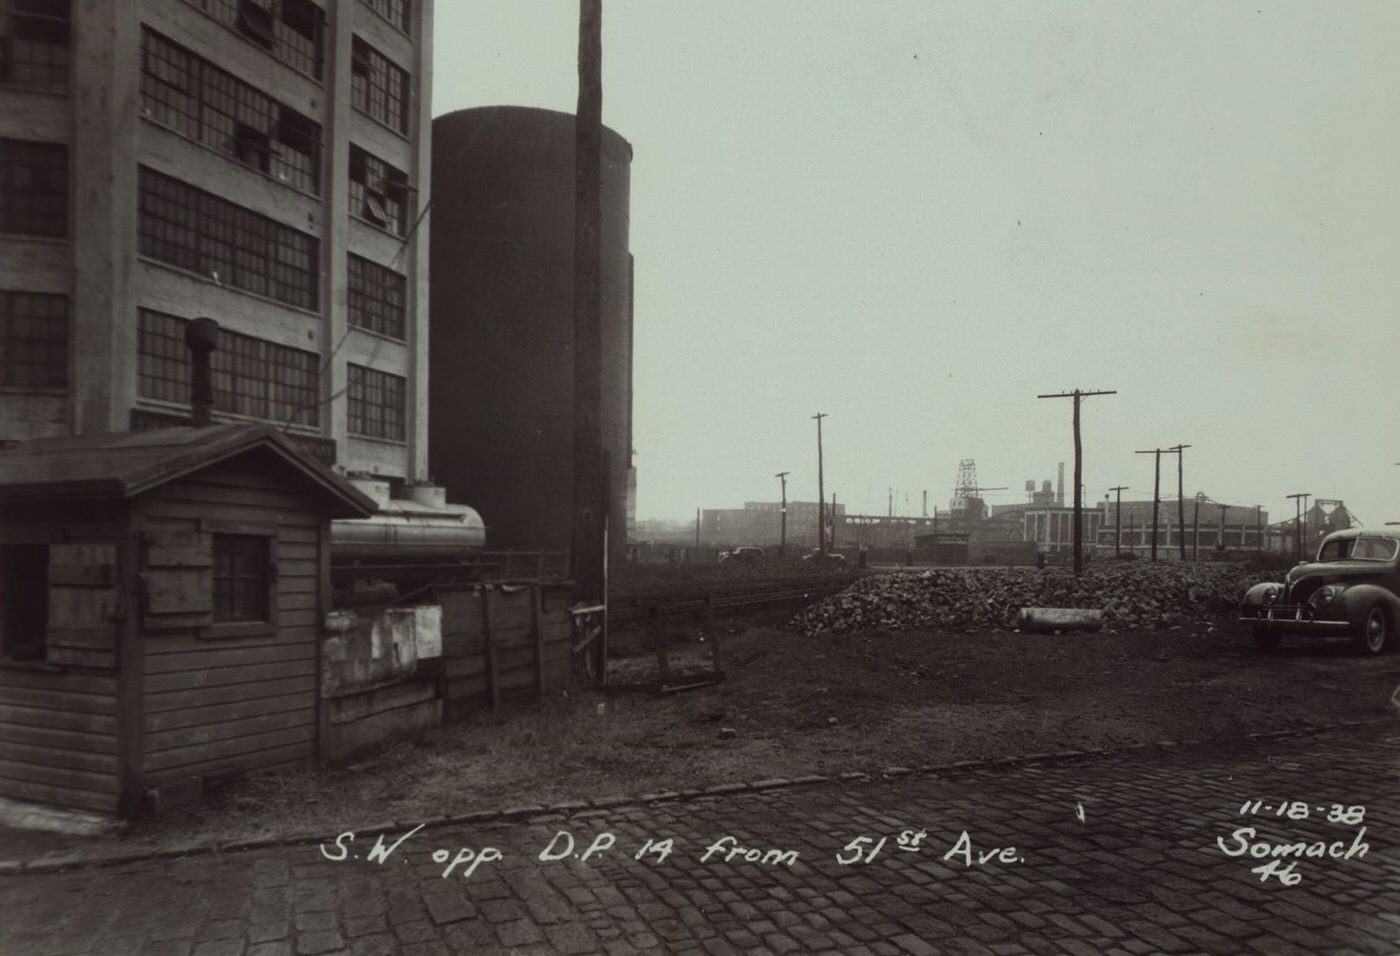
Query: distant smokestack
201	338
1060	488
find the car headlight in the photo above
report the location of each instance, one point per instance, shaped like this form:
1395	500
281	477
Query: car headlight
1326	594
1271	593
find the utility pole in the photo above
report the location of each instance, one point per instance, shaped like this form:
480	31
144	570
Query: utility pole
1298	522
589	485
1156	493
1180	501
1196	531
1118	520
821	489
1224	513
1078	395
782	512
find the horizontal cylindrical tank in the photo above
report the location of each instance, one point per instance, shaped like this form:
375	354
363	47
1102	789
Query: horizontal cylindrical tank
420	528
501	383
400	539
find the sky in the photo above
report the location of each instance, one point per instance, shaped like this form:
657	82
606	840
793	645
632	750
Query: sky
916	216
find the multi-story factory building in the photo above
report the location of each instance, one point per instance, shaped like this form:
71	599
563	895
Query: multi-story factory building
263	163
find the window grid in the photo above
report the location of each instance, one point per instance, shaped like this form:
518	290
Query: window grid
33	188
34	43
241	582
377	298
251	376
376	406
378	191
378	86
395	11
203	102
298	28
33	340
195	230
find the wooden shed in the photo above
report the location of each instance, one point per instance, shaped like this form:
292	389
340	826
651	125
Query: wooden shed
161	601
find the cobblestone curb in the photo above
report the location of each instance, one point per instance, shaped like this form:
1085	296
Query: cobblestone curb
565	809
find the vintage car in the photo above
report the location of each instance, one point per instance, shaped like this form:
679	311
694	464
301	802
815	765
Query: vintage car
741	555
829	558
1351	589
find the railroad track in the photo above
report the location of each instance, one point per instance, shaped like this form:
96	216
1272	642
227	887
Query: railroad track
634	607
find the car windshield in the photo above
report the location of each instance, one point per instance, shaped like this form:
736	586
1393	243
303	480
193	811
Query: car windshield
1358	549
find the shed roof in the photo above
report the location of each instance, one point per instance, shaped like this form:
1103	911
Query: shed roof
126	464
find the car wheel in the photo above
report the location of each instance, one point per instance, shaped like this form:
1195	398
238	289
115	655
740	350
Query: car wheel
1375	631
1266	640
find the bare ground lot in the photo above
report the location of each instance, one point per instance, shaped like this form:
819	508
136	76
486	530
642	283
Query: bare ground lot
801	705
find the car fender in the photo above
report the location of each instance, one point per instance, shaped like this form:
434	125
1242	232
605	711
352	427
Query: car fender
1254	597
1360	598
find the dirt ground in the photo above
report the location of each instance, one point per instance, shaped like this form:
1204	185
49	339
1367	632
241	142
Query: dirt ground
826	704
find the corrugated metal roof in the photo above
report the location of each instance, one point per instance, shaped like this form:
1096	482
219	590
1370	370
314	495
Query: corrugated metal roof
126	464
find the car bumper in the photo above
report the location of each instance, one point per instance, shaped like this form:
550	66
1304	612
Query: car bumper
1293	619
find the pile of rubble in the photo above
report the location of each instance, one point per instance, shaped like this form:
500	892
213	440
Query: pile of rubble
1132	596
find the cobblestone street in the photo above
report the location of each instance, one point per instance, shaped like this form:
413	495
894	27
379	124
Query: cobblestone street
1152	850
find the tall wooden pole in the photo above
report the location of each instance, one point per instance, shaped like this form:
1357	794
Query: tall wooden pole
1298	523
782	534
589	494
1118	520
1180	502
1156	493
821	489
1078	395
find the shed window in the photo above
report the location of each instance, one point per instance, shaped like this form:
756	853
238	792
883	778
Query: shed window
59	603
242	578
24	600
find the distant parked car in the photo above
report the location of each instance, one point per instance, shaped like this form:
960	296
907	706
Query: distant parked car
1351	589
742	555
829	558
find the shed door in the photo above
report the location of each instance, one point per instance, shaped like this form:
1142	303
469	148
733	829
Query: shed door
84	605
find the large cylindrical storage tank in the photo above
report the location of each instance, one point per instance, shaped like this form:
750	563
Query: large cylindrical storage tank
501	384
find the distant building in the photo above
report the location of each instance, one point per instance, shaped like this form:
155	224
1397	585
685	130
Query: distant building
761	523
1322	517
261	163
1211	527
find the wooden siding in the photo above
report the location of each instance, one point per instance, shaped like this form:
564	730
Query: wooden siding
497	645
58	738
58	727
216	706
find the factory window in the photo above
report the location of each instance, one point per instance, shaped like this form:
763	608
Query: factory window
378	191
242	578
376	406
377	86
292	30
195	230
33	188
33	340
34	43
377	298
395	11
201	101
251	376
